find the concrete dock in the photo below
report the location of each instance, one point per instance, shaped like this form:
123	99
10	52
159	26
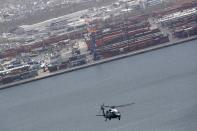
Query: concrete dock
48	74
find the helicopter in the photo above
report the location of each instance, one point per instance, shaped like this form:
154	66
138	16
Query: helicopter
112	112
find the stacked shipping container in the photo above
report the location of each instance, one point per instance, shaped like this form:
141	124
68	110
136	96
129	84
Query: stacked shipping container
124	37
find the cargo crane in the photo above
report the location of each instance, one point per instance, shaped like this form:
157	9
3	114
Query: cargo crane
92	30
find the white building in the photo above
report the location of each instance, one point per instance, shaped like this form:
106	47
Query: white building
150	3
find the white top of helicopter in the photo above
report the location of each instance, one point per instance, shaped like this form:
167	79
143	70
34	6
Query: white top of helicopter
114	110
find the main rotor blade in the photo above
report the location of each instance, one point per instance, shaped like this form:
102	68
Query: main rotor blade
106	106
99	115
124	105
119	105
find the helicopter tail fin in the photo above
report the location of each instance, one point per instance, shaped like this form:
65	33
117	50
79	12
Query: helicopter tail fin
103	109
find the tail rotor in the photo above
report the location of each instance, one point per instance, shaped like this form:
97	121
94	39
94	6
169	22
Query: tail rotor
102	107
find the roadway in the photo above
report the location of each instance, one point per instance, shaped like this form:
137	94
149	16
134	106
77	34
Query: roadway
162	83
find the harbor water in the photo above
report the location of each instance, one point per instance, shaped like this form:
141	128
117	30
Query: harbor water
162	83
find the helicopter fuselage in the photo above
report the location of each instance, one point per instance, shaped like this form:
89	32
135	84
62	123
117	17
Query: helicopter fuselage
112	112
112	115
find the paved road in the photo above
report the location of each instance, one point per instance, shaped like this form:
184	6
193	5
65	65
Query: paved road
162	83
49	13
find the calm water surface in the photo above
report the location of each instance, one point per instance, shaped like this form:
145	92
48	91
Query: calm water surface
162	83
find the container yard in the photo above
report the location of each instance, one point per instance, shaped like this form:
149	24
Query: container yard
93	35
181	21
130	35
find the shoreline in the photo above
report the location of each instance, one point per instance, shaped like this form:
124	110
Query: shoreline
168	44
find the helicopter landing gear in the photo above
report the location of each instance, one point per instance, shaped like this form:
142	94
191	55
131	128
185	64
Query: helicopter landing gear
119	118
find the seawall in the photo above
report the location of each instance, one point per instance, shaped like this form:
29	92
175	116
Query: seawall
98	62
